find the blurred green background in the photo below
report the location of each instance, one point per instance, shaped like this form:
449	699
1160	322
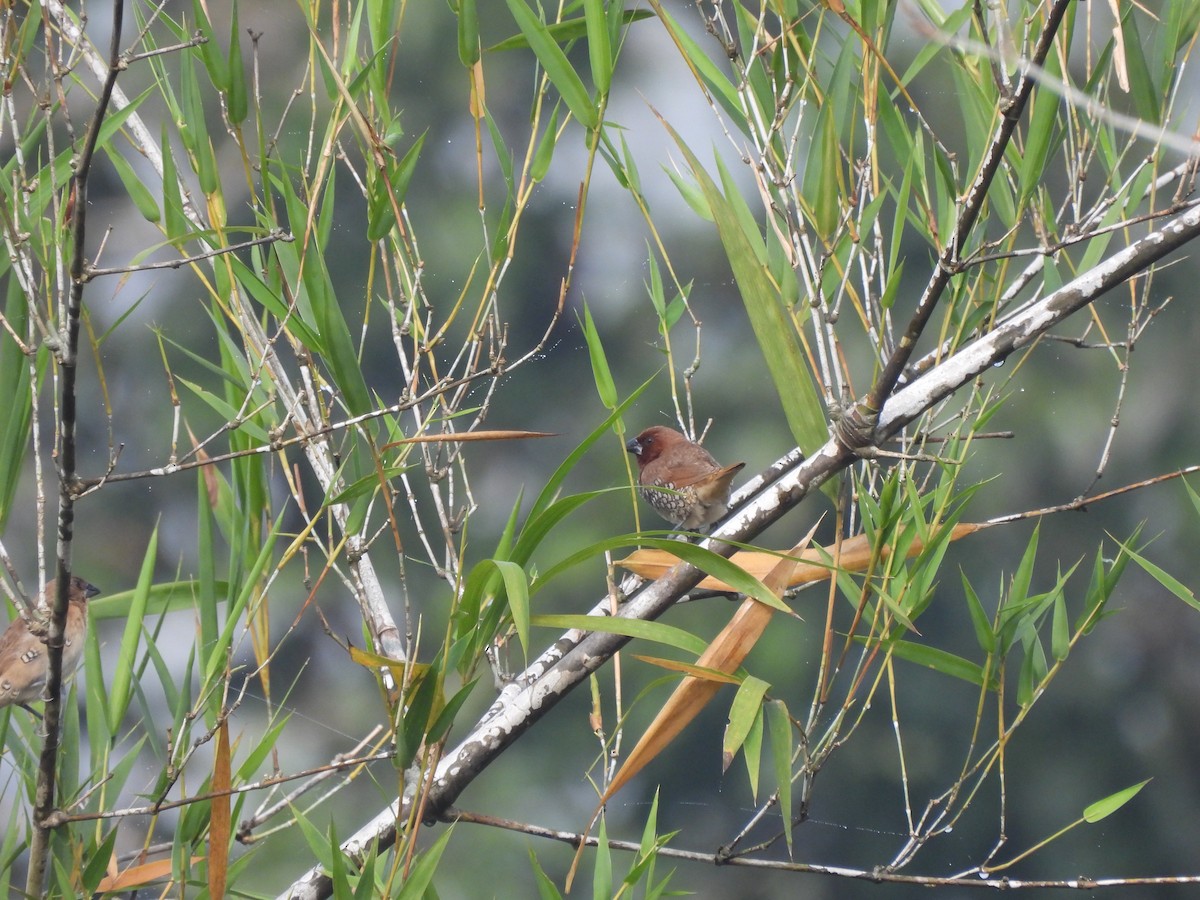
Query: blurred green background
1125	708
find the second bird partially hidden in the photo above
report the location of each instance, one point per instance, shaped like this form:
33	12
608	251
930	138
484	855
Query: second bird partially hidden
680	479
24	656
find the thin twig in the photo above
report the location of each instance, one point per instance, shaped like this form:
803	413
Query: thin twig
874	875
91	272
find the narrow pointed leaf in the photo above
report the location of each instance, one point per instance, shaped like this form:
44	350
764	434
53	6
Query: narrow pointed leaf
1101	809
556	64
746	707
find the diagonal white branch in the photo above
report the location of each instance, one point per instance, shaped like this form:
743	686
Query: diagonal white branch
576	654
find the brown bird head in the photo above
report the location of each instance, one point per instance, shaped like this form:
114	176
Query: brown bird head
652	443
78	591
680	479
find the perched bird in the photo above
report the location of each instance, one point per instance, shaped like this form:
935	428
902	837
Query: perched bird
680	479
24	655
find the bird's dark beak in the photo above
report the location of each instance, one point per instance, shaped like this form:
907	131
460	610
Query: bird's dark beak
90	590
634	447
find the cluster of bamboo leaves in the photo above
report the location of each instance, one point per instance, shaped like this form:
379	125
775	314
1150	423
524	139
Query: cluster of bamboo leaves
845	190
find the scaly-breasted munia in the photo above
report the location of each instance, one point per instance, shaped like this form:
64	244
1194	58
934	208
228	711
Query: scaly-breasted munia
24	655
680	479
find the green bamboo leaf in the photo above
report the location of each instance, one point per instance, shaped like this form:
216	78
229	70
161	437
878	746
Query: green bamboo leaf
984	633
70	762
701	557
938	660
274	304
675	309
339	878
418	714
368	484
929	51
574	29
504	546
367	888
599	49
96	695
601	374
97	865
236	105
209	50
193	129
1183	20
779	731
381	22
736	203
16	413
692	195
547	889
650	840
977	102
162	597
657	632
177	226
366	75
30	31
1147	98
445	719
1033	670
260	749
420	874
389	193
1170	582
516	592
556	64
772	328
602	873
1018	591
703	68
228	411
554	484
1192	495
317	842
752	751
206	564
166	678
820	175
136	188
538	526
1043	127
1060	632
118	694
341	356
216	654
745	709
1102	809
468	33
545	149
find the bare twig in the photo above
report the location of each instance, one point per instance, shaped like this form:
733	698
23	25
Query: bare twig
91	272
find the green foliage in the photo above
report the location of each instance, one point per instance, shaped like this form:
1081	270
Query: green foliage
340	273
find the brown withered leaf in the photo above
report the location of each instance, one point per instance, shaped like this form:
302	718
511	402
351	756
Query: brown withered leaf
856	554
466	437
207	472
220	820
723	655
138	876
692	669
